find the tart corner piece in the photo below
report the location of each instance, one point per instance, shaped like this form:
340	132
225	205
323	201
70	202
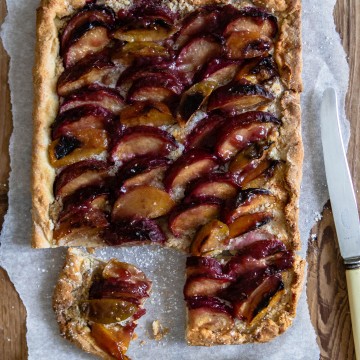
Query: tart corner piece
97	303
211	322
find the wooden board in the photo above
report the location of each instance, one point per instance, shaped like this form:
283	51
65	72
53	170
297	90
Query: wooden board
326	292
326	289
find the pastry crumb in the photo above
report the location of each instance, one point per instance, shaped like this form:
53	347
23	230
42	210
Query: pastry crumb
90	250
317	217
158	330
313	237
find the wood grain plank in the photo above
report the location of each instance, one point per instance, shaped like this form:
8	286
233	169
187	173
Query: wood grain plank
12	319
327	294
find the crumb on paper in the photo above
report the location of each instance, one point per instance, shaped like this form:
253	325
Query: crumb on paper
313	237
317	217
142	342
158	330
90	250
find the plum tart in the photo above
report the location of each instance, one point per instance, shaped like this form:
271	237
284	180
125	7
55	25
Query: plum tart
98	303
177	123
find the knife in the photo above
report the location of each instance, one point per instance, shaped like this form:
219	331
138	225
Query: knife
343	203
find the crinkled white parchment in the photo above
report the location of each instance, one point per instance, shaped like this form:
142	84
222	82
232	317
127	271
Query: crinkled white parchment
34	272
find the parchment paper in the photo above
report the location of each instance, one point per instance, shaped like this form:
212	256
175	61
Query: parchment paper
34	272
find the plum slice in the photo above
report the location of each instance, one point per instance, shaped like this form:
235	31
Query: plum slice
248	222
205	133
121	270
103	97
139	49
252	293
242	130
65	145
113	340
79	175
147	113
209	313
196	53
134	35
247	201
211	237
204	285
133	231
260	170
114	288
90	14
89	70
85	201
188	217
61	148
142	141
82	144
193	99
90	39
198	265
81	212
249	238
250	156
252	19
261	255
79	119
143	68
188	167
118	281
145	21
142	201
76	226
219	70
158	87
204	20
145	14
220	185
247	45
108	311
235	97
258	70
142	171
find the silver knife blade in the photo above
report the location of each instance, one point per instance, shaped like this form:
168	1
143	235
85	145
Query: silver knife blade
342	196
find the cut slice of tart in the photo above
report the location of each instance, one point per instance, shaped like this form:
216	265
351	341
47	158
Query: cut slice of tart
247	297
97	303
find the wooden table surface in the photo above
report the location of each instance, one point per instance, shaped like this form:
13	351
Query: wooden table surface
326	285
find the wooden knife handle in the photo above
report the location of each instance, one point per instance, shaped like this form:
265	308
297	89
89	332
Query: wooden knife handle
353	285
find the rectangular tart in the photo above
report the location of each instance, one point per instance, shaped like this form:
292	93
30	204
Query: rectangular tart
177	123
